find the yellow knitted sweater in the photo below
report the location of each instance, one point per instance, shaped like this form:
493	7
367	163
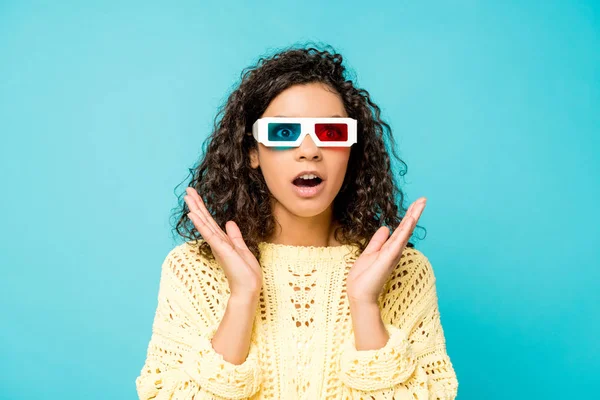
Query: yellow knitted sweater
302	344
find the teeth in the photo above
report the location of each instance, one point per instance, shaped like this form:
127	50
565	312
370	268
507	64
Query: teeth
308	176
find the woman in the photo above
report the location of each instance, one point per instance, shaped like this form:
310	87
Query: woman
291	286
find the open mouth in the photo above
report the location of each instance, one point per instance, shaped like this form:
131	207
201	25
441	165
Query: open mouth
300	182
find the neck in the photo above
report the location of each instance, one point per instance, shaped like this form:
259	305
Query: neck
294	230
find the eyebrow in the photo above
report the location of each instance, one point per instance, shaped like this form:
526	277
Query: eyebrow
285	116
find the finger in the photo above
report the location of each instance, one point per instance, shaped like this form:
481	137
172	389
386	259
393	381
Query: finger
399	238
418	209
412	219
199	222
199	217
204	229
408	213
202	212
412	214
393	249
404	221
191	199
394	244
411	222
211	221
378	239
194	198
233	231
417	212
205	224
217	243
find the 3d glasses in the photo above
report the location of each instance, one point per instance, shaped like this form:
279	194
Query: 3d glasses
290	132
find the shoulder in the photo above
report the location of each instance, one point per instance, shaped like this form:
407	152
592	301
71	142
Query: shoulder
185	264
191	285
415	261
188	254
413	272
410	290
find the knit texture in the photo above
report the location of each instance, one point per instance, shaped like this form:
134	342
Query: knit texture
302	344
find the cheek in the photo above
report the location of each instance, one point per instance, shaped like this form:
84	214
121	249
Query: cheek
340	161
273	164
337	179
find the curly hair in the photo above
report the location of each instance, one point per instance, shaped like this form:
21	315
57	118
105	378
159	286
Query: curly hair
232	190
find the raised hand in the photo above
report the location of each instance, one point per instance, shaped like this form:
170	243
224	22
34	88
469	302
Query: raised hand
240	265
373	267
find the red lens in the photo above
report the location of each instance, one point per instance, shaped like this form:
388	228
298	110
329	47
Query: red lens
332	132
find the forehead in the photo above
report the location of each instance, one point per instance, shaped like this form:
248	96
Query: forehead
310	100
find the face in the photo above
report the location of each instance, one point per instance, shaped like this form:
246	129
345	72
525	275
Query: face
281	165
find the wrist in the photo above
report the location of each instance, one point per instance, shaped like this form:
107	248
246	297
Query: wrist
362	303
246	299
364	307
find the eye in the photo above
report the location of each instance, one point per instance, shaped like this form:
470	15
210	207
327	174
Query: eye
332	132
284	132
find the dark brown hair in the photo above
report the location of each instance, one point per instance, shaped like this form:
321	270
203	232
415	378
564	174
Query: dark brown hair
232	190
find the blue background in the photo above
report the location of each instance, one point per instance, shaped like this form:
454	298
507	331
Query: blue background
494	106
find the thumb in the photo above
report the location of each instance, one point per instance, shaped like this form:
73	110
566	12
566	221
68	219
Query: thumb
234	233
378	239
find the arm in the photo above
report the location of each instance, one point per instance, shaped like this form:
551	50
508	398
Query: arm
232	339
181	362
369	329
407	359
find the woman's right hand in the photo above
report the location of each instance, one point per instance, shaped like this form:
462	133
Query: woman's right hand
241	267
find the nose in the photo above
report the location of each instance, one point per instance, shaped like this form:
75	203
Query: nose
308	148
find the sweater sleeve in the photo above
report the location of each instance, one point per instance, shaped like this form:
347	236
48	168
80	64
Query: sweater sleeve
414	363
181	362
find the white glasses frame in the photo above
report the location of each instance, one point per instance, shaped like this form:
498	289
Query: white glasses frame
260	131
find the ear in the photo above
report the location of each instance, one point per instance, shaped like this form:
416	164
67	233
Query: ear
254	158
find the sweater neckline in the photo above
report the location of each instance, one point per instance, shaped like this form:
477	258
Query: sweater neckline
307	253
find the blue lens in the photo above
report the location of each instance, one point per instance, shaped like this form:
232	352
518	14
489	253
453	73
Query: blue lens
283	132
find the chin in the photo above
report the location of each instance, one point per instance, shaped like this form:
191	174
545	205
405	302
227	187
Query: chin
307	208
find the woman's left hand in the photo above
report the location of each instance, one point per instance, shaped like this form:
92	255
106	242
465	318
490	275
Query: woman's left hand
373	267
